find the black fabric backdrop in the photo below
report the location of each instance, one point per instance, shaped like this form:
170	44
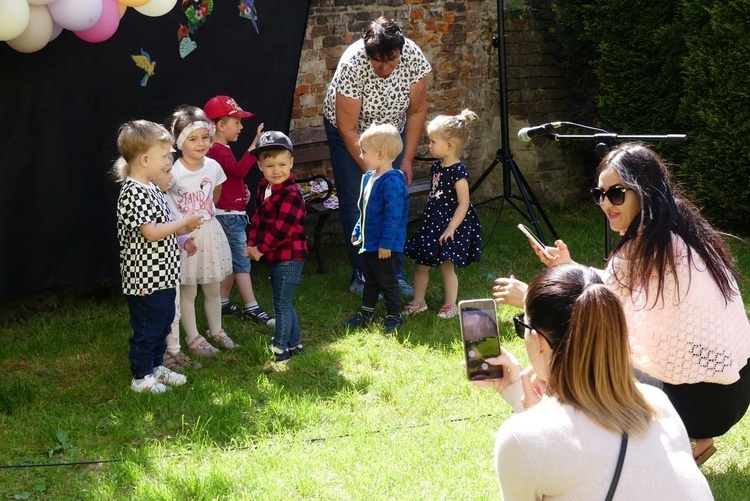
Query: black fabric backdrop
61	108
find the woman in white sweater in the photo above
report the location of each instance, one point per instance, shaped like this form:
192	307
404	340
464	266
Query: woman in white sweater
675	277
585	410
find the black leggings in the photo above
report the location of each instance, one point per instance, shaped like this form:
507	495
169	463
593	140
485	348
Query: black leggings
707	409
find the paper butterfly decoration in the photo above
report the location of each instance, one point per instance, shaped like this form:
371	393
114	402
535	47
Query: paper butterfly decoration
143	61
247	10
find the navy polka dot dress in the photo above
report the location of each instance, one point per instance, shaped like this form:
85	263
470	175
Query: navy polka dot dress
466	246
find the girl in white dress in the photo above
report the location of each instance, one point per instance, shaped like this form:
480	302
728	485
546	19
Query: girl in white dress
197	185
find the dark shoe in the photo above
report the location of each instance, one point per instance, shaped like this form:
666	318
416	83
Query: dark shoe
357	321
259	315
296	350
391	323
281	355
230	309
406	289
358	282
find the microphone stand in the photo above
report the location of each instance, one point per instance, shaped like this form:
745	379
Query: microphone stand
605	141
504	155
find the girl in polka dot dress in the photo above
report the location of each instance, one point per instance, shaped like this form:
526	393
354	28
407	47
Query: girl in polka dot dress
450	234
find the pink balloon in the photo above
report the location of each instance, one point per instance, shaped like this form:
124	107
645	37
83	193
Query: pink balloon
105	27
75	15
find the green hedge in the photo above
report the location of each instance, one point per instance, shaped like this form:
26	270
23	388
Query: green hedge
673	67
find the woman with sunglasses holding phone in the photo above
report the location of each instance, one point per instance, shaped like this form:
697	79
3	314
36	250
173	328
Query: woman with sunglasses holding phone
581	416
676	279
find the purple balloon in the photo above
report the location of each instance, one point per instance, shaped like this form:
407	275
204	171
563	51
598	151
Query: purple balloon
75	15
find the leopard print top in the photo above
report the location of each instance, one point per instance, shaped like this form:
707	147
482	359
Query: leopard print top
384	100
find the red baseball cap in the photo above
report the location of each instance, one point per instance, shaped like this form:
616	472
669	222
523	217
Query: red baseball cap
225	106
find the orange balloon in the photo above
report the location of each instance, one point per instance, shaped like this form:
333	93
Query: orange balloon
123	8
132	3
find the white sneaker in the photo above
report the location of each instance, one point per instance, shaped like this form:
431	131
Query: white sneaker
148	384
168	376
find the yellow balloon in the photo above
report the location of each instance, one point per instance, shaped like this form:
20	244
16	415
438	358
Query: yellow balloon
123	8
132	3
37	33
14	18
156	8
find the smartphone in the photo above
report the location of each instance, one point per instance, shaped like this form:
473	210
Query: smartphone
537	243
478	318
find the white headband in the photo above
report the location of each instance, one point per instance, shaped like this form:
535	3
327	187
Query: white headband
189	130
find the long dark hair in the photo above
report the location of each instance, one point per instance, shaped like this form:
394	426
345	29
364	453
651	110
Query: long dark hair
590	365
664	211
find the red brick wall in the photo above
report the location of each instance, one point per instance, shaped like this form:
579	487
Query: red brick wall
456	37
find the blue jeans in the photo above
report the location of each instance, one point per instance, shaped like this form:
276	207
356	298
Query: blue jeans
235	228
151	319
285	277
348	178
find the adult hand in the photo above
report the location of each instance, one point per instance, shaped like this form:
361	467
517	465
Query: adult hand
560	254
533	387
509	291
511	372
408	171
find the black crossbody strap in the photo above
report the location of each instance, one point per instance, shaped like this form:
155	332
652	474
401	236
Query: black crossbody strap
620	460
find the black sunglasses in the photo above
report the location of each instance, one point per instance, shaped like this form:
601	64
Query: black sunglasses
521	327
616	195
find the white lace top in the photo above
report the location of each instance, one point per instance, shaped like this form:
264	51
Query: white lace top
690	336
384	100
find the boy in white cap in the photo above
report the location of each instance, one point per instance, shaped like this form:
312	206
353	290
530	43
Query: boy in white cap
231	207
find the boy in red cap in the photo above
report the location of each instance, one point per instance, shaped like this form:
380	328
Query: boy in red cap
231	207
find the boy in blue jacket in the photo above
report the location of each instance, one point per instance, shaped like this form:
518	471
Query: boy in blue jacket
381	229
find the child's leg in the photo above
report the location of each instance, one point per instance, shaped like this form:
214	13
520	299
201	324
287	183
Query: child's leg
150	319
234	226
421	279
450	281
371	288
385	276
285	277
173	339
187	315
212	306
226	288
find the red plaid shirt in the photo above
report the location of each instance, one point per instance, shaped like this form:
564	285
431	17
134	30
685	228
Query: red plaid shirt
278	224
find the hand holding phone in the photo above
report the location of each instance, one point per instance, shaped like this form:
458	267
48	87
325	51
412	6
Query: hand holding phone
537	243
478	319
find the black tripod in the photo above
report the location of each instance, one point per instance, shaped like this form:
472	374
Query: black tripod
504	155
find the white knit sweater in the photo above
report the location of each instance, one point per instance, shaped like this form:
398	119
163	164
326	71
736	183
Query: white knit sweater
690	336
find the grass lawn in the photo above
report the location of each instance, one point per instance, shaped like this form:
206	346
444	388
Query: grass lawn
362	415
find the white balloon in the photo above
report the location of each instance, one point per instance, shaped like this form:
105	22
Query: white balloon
76	15
40	2
156	8
14	18
37	33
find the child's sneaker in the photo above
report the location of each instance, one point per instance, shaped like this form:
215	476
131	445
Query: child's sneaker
230	309
296	350
222	338
406	289
448	311
357	321
148	384
179	361
168	376
281	355
414	307
259	315
392	322
202	348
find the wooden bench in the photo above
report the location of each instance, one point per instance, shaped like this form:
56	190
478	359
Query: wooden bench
311	146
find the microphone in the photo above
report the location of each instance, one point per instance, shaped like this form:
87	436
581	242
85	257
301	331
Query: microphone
529	133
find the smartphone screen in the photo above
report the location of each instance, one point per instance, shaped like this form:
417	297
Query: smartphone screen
478	319
538	243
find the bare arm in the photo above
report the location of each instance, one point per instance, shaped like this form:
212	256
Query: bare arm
462	192
416	114
157	231
347	122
